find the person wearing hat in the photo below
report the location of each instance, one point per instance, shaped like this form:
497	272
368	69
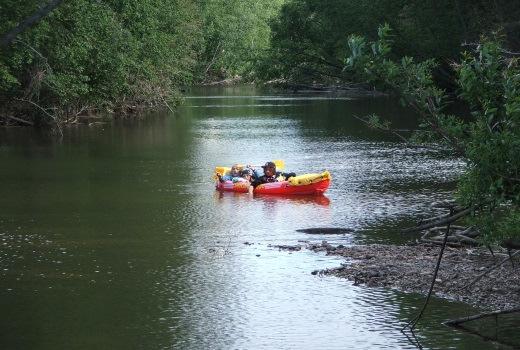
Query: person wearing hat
271	175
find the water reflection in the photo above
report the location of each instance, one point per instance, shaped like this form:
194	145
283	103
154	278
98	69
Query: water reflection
322	200
118	237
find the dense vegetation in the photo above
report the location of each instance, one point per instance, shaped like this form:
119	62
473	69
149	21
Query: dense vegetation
236	36
487	137
437	53
122	54
118	55
309	36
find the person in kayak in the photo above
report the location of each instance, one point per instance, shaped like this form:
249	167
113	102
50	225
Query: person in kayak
234	173
271	175
246	175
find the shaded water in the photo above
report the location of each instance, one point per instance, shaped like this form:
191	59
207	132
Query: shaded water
114	238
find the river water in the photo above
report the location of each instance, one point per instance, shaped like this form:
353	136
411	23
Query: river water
114	237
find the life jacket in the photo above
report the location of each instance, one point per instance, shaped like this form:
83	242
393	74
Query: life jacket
265	178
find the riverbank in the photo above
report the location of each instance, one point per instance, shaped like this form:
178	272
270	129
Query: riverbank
409	268
344	89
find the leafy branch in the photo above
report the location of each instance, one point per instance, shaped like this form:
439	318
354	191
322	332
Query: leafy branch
488	138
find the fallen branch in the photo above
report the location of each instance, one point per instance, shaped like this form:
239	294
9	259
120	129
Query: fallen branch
443	229
413	322
432	219
449	244
470	232
39	107
466	240
446	220
166	103
459	321
53	117
19	120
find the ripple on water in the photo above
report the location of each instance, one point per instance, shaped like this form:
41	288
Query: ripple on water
184	276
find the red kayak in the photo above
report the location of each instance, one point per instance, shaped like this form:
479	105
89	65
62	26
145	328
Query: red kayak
308	184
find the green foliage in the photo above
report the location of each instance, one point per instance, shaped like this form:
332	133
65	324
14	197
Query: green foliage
488	138
8	82
112	53
101	54
236	34
309	35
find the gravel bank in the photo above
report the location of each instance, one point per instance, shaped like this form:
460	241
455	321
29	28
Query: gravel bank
410	268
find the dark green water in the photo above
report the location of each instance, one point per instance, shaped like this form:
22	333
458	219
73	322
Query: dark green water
114	238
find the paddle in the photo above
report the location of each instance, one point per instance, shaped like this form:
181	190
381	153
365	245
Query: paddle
280	165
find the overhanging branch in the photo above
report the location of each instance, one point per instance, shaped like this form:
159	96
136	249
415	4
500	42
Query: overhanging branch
8	37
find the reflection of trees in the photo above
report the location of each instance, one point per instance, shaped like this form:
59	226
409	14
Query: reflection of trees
107	203
495	326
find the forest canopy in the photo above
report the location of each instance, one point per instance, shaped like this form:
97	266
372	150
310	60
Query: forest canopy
110	55
308	37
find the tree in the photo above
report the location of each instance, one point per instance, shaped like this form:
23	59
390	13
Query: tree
308	36
236	33
488	138
8	37
101	55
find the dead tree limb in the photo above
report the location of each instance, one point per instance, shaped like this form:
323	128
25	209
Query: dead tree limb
413	322
448	244
446	220
467	240
214	58
459	321
509	345
39	107
432	219
19	120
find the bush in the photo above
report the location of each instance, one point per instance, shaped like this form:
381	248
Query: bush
488	81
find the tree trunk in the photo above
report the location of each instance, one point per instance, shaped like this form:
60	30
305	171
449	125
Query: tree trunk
8	37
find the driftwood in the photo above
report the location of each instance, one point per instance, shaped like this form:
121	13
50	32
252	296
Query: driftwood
458	236
449	244
447	204
19	120
459	321
413	322
438	232
447	219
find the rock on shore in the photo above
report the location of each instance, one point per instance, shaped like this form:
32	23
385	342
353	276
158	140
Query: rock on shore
410	268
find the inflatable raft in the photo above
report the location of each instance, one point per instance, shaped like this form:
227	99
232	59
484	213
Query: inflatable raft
307	184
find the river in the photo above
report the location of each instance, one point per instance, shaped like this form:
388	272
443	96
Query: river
114	237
